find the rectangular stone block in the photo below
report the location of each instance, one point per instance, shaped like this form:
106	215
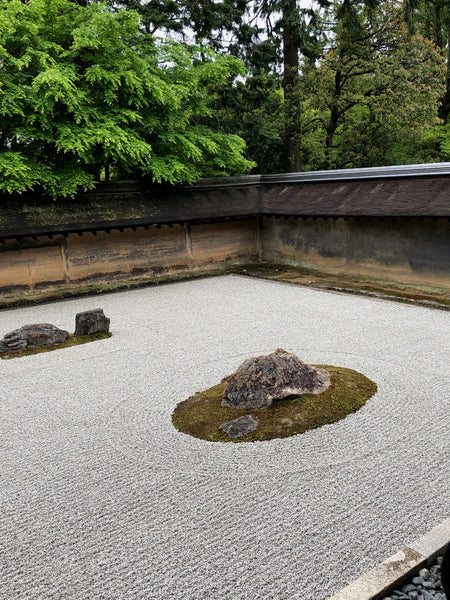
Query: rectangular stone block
377	582
434	542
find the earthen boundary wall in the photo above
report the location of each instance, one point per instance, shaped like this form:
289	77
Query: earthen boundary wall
385	227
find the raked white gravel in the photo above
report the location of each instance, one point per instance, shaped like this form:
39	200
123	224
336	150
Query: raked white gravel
103	499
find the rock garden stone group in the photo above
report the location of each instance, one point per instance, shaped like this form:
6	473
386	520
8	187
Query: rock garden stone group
45	334
261	380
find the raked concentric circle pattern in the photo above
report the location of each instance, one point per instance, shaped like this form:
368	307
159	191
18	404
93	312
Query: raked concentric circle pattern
102	499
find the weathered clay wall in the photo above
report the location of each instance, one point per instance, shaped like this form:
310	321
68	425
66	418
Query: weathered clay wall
386	224
415	250
30	267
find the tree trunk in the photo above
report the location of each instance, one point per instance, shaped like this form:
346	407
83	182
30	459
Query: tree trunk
331	130
291	87
446	99
333	122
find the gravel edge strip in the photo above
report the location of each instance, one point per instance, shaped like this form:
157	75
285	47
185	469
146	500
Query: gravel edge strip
426	585
395	570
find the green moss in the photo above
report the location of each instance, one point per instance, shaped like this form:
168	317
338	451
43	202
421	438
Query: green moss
201	415
71	341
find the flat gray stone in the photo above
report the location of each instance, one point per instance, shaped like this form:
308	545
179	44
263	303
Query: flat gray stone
240	426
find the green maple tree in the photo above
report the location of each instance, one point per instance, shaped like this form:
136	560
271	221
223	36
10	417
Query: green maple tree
84	89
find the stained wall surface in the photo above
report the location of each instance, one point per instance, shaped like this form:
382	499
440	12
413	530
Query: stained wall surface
410	250
31	267
380	227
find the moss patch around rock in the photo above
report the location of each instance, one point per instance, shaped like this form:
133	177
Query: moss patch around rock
201	415
71	341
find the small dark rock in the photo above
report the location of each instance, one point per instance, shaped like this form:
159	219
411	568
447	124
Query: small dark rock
417	580
30	336
408	588
429	585
240	426
434	569
91	321
426	595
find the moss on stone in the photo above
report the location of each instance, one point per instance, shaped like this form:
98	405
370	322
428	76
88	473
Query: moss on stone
71	341
201	415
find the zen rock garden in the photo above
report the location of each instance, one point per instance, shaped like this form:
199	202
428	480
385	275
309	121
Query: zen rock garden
30	337
273	396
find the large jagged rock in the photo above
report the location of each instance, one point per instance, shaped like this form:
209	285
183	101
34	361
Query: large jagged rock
91	321
261	380
30	336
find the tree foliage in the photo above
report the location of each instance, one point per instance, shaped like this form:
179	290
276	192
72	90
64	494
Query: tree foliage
340	83
369	90
84	88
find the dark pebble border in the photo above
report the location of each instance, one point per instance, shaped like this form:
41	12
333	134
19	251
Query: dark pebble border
414	573
425	586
